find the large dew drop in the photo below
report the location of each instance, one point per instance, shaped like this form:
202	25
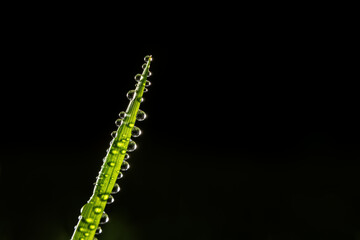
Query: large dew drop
122	115
146	58
135	132
104	218
110	200
98	231
141	115
131	146
130	95
125	166
115	189
118	122
138	77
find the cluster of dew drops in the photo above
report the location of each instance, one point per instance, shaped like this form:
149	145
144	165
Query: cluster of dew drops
136	132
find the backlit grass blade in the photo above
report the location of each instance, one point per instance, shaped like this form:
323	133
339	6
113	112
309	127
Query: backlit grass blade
93	211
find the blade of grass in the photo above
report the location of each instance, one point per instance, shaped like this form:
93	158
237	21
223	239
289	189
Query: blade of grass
93	210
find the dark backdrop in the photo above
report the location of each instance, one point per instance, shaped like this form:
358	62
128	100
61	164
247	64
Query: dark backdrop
251	133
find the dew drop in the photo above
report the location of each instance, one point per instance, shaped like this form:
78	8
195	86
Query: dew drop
138	77
130	125
114	151
118	122
110	200
140	99
104	197
82	229
143	66
89	220
92	226
104	218
114	134
122	115
131	146
98	231
125	166
116	189
87	234
130	95
81	238
149	73
123	151
120	144
97	210
111	164
120	176
145	90
147	83
135	132
126	157
146	58
141	115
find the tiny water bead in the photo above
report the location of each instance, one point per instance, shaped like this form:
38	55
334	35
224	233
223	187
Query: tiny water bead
141	115
114	151
147	83
127	156
98	231
143	66
138	77
149	74
123	151
131	146
111	164
122	115
104	197
130	125
97	210
125	166
89	220
92	226
130	95
115	189
145	90
120	176
82	229
104	218
135	132
118	122
87	234
146	58
110	200
140	99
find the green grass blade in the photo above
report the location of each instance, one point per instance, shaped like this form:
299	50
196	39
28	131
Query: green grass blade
93	210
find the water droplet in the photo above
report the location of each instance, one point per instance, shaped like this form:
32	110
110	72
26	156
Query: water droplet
104	218
130	95
143	66
97	210
114	134
120	144
130	125
92	226
147	83
131	146
98	231
116	189
81	238
140	99
121	175
125	166
146	58
141	115
111	164
149	74
87	234
138	77
126	157
89	220
104	197
114	151
110	200
123	151
145	90
118	122
122	115
82	229
135	132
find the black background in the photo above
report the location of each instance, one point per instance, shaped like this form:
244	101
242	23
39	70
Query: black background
252	131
